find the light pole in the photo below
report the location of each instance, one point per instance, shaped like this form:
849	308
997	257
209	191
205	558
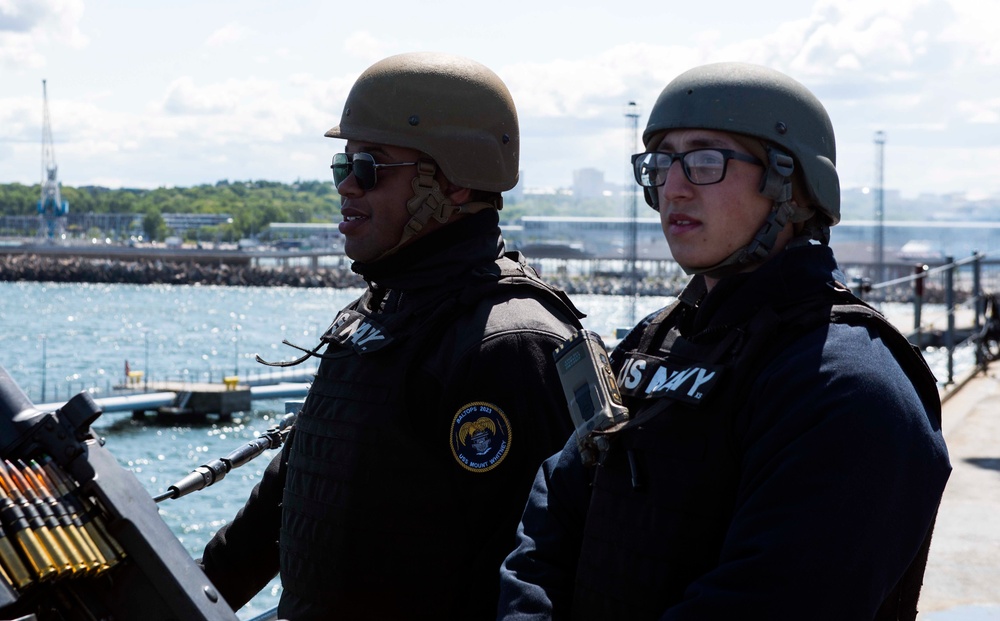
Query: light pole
879	207
44	365
632	229
236	349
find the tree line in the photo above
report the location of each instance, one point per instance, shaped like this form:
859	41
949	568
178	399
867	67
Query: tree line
253	205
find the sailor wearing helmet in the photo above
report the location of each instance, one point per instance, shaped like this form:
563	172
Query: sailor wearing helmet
436	396
784	457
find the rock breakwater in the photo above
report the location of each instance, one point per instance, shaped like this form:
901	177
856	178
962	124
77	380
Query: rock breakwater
74	269
49	269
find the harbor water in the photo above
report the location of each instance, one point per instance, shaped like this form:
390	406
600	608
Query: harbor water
59	339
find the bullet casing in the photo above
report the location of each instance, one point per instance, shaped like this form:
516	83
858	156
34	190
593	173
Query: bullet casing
17	573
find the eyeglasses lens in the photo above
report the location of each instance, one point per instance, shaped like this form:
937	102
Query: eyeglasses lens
704	166
701	167
341	168
648	173
361	164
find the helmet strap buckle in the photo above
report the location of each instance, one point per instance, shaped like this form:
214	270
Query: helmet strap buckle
427	193
776	183
763	242
427	200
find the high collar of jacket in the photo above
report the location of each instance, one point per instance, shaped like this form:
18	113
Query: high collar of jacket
442	255
793	274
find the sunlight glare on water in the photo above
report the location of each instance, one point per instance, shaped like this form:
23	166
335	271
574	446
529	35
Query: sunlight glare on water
84	333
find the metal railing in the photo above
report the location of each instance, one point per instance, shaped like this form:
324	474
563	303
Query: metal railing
955	285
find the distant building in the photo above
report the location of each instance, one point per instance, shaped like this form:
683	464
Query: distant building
180	223
852	240
588	183
516	193
588	236
113	224
303	235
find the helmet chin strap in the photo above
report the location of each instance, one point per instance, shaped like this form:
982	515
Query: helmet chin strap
428	202
776	185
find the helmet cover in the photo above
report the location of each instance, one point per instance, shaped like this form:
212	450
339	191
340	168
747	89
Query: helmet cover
454	109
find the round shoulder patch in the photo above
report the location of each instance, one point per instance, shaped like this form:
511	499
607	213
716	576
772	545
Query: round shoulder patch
480	436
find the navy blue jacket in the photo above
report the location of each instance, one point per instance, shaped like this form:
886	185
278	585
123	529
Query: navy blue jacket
801	488
398	493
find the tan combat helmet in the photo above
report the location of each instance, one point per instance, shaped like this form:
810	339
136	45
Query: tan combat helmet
455	110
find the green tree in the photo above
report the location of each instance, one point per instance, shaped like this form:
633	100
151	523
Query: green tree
19	200
154	225
252	205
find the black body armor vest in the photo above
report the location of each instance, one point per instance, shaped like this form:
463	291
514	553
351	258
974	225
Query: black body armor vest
368	496
667	488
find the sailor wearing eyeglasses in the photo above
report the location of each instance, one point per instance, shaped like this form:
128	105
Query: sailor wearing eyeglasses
783	457
398	494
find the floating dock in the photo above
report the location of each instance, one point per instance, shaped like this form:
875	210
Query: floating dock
187	402
195	402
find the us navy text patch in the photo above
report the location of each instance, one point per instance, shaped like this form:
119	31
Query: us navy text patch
652	378
352	329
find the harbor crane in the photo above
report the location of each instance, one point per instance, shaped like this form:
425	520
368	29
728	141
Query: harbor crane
52	209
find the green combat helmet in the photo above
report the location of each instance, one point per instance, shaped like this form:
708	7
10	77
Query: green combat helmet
455	110
787	118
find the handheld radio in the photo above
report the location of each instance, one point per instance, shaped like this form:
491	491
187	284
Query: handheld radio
595	404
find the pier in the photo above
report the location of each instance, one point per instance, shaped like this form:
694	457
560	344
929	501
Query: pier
962	579
176	402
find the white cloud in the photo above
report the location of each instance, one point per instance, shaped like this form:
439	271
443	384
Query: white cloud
363	45
975	28
184	98
963	169
20	15
237	116
980	111
209	106
598	86
27	27
228	34
19	52
56	18
20	120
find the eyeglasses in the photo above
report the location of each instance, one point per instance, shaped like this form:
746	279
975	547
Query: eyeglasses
701	166
362	165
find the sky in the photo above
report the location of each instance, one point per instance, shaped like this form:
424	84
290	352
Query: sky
186	92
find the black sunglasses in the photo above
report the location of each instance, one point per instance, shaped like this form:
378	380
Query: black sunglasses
362	165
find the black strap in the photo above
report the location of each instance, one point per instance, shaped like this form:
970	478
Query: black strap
515	270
